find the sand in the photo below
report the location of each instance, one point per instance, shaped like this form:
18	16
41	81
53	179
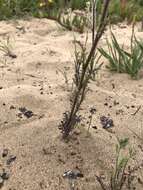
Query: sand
34	81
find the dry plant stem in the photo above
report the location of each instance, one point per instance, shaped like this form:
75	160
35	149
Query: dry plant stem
94	18
76	105
101	183
90	122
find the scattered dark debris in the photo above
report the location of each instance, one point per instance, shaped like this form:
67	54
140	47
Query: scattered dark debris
12	107
11	159
120	111
46	151
61	159
5	152
72	174
23	109
73	153
113	86
26	113
116	103
94	127
5	175
93	110
19	115
140	181
106	122
127	107
41	116
12	55
5	171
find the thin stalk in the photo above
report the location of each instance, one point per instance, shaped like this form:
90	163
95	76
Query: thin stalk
77	98
90	122
93	19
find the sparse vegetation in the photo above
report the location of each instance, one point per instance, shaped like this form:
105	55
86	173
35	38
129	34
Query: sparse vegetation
7	48
123	61
39	82
85	70
45	8
74	22
119	178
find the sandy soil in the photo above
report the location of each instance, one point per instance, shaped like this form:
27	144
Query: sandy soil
34	81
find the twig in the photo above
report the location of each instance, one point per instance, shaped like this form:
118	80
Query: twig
138	109
101	183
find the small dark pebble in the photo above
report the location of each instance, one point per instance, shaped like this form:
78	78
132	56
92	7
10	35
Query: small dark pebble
113	85
3	104
106	122
93	110
12	107
12	55
127	107
106	104
11	159
19	115
140	180
72	153
5	152
1	87
94	127
116	103
5	175
26	113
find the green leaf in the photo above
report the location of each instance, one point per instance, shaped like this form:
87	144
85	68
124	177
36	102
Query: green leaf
123	142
